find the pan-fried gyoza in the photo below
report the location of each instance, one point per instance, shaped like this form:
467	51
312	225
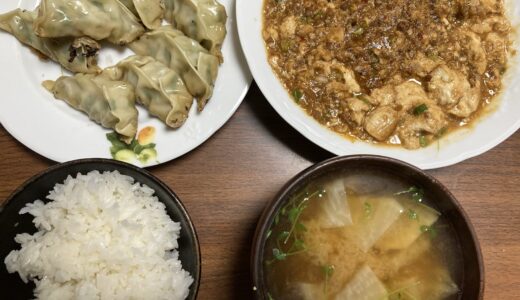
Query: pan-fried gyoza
197	67
98	19
175	63
74	54
201	20
107	102
157	87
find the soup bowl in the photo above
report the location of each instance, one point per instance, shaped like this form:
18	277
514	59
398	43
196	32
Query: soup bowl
471	283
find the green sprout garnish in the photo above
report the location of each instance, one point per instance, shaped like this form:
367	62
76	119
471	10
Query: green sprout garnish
367	207
289	242
400	293
301	227
295	212
277	219
416	193
279	254
327	271
412	215
430	230
283	235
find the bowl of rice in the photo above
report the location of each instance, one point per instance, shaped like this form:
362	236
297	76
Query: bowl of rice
97	229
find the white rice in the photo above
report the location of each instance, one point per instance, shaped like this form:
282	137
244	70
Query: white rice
102	237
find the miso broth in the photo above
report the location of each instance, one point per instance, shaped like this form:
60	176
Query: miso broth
362	236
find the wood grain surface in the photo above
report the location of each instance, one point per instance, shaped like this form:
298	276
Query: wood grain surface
226	183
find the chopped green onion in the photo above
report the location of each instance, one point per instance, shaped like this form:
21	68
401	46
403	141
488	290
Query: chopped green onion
441	132
285	45
297	95
420	109
358	31
423	141
364	99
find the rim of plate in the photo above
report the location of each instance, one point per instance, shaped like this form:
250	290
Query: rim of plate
456	147
221	116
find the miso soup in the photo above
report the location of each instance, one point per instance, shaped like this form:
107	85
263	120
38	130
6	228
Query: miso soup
362	236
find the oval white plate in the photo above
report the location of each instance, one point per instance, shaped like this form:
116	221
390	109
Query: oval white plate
456	147
58	132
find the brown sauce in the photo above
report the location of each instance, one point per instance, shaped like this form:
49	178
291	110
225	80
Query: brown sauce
391	72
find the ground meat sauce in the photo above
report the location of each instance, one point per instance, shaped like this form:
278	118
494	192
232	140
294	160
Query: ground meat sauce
397	72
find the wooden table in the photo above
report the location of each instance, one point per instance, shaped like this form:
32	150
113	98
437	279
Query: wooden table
226	183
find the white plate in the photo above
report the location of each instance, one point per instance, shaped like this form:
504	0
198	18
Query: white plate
463	144
58	132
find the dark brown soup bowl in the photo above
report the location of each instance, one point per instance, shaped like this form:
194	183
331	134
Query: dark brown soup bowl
472	283
38	187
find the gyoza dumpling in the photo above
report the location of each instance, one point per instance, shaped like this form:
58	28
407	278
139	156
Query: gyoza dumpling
149	11
98	19
202	20
196	66
77	55
159	88
105	101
